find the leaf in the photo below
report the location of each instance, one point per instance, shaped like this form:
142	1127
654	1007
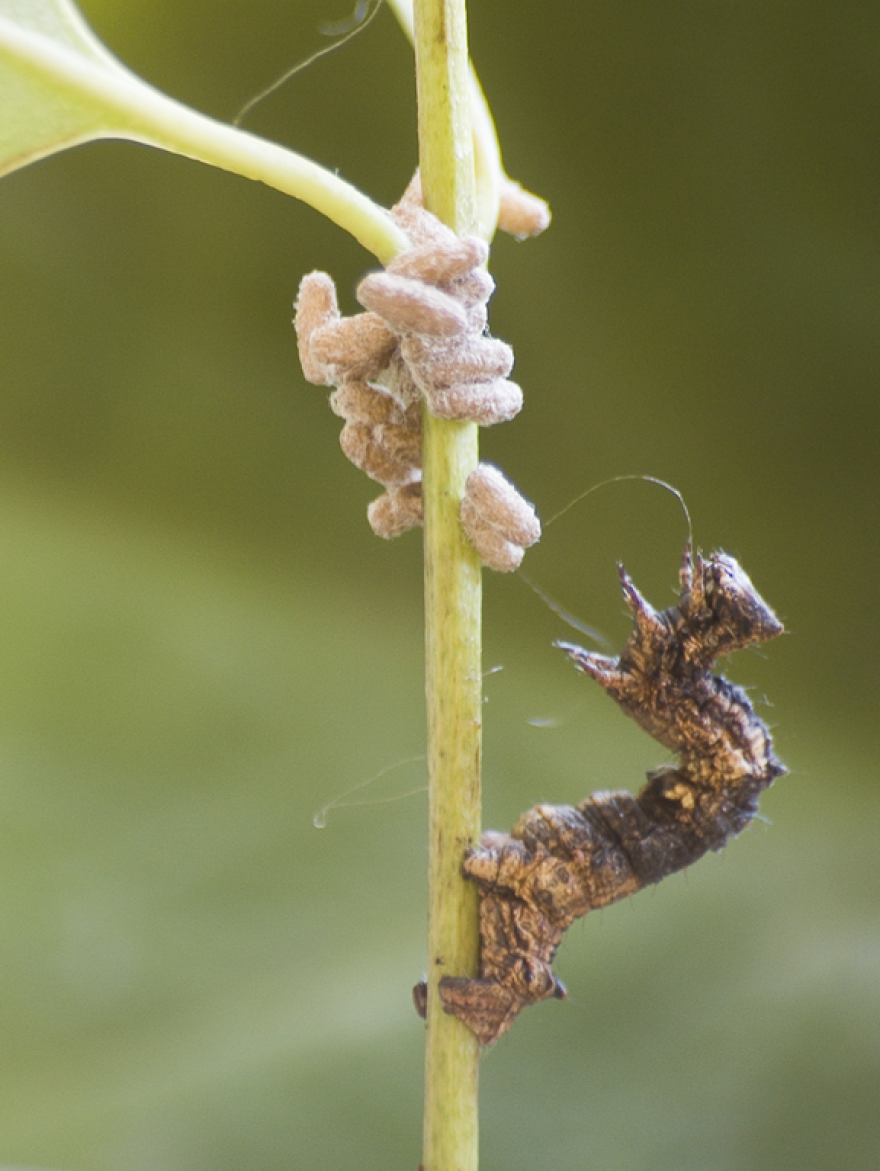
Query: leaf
60	87
57	19
43	42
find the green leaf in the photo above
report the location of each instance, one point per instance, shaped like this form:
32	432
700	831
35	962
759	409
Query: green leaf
60	87
41	42
59	21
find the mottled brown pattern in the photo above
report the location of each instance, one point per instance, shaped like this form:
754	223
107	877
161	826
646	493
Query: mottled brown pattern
559	862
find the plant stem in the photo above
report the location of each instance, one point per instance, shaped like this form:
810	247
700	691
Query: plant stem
99	98
452	624
488	168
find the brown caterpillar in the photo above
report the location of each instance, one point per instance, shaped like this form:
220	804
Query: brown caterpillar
561	861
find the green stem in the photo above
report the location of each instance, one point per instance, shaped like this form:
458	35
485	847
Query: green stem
452	624
102	99
488	167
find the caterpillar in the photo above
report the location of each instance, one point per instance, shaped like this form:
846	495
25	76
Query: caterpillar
561	861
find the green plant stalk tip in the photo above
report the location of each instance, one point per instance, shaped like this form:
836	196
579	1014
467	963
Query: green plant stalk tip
453	598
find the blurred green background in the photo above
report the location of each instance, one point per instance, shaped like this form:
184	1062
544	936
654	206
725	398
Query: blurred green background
203	643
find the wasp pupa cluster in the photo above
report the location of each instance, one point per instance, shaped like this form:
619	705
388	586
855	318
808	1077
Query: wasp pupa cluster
423	339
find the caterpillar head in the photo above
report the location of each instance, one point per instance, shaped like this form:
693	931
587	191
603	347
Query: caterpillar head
722	610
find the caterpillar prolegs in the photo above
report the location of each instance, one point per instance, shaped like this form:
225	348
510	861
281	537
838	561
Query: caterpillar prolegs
561	861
